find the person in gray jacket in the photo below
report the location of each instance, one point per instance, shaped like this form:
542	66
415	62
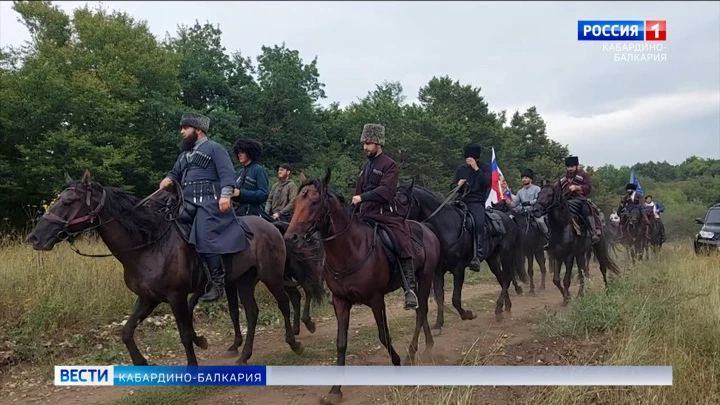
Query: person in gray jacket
526	198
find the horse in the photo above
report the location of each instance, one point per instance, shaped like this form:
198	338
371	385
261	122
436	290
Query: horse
532	243
453	227
655	241
634	232
566	246
358	269
159	264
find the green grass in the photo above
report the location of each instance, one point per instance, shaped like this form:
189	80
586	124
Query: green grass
663	312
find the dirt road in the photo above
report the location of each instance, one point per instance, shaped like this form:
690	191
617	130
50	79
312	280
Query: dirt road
484	340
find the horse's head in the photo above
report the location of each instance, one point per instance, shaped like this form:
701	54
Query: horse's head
548	199
73	212
313	212
406	199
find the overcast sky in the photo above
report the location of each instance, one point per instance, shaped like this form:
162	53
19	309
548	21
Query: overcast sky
520	54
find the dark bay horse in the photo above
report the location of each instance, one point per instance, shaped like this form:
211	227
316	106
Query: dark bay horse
357	266
566	246
634	231
457	246
531	242
655	242
159	265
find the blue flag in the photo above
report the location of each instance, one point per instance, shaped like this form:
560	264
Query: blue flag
634	180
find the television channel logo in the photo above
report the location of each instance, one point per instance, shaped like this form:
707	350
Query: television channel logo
622	30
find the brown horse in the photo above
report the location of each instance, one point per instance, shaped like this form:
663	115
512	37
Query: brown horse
358	269
566	246
159	265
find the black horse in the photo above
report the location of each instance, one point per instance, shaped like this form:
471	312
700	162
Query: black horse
531	242
453	227
567	243
634	231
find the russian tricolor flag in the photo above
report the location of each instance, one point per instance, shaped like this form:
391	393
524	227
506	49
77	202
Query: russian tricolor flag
498	187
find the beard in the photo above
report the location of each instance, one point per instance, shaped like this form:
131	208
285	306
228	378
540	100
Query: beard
371	154
188	142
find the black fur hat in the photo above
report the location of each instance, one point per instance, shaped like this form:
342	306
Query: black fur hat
528	173
249	146
572	161
472	151
631	186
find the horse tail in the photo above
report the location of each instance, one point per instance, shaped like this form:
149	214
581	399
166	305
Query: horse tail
304	265
603	256
518	258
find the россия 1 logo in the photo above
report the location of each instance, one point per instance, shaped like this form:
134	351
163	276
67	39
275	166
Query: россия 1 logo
623	31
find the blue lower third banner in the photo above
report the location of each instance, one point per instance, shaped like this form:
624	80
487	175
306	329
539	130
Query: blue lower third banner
158	376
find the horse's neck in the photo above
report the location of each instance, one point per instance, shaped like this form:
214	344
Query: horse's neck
349	233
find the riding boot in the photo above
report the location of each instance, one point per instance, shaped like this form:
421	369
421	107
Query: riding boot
481	253
408	269
545	231
593	230
216	284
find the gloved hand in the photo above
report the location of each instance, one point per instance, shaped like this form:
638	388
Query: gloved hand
525	203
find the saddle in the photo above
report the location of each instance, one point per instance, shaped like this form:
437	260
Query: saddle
577	220
391	247
494	222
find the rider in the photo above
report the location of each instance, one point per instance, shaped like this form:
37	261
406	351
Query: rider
473	177
282	195
656	210
205	173
377	188
526	198
576	185
631	201
251	184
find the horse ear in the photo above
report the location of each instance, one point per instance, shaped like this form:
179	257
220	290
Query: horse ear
326	180
86	177
303	177
68	179
412	184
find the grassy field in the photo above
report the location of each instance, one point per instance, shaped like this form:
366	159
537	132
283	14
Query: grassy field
58	305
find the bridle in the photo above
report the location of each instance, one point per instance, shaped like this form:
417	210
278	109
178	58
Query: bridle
325	219
555	202
65	235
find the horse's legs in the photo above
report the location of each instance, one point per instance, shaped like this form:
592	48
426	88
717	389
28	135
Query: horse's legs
439	289
458	281
540	257
531	273
556	265
199	340
294	296
141	310
283	301
342	314
582	268
306	319
568	278
246	292
494	266
421	321
231	292
183	319
378	307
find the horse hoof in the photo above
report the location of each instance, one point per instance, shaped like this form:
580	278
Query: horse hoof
230	353
499	317
297	347
518	290
331	399
532	292
201	342
296	331
241	362
310	326
469	316
436	326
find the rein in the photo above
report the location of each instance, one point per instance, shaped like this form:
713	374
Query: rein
65	235
447	200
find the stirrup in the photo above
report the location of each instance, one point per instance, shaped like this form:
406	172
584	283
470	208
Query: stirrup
412	295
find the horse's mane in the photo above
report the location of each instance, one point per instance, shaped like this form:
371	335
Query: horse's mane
426	197
319	184
142	223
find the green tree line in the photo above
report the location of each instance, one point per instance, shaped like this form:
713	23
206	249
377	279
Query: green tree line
97	90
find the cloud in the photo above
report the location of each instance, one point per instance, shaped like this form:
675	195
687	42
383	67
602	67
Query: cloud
643	115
